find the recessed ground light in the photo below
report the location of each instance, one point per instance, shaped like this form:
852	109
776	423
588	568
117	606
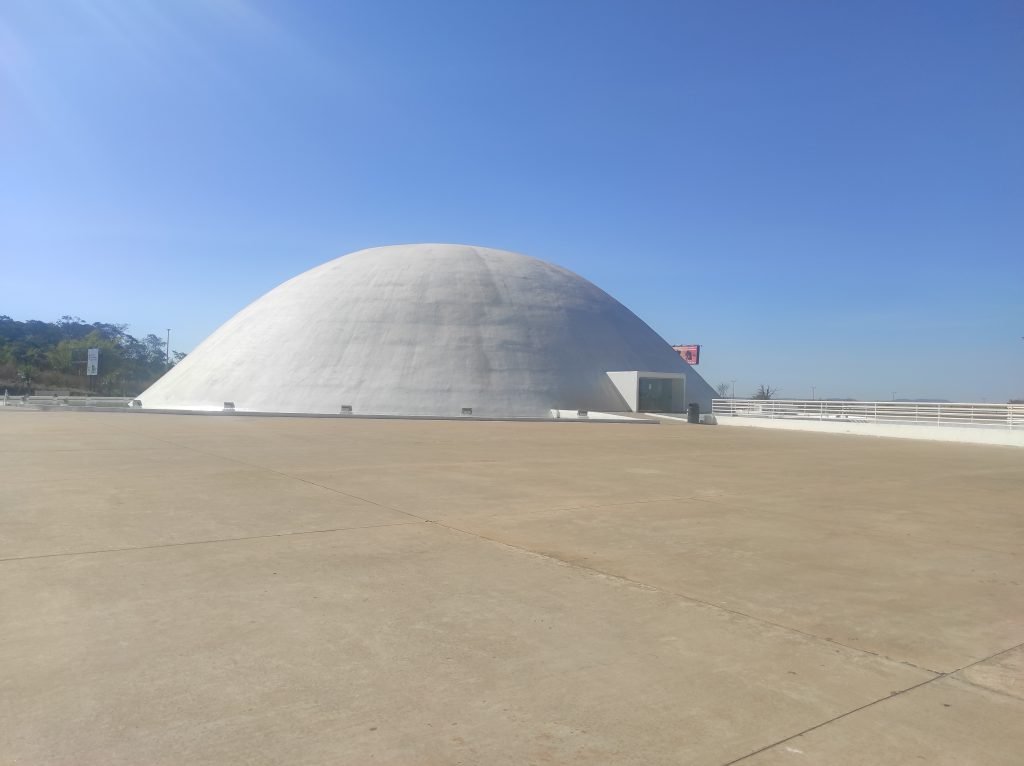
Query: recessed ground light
229	406
467	410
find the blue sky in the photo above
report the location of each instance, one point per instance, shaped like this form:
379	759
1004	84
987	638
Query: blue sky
826	194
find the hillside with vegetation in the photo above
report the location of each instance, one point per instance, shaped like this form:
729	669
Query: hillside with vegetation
36	355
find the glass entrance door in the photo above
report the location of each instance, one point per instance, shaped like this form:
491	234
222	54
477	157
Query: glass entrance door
655	395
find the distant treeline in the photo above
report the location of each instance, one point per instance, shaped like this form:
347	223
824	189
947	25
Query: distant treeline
52	355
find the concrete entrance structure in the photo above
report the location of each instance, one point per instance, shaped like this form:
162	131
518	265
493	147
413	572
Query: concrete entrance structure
631	385
424	330
231	590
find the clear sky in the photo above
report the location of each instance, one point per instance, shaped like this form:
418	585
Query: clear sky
821	193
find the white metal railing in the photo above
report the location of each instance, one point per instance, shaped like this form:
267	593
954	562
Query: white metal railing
65	401
920	413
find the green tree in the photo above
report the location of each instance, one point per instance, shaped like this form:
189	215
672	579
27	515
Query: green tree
54	354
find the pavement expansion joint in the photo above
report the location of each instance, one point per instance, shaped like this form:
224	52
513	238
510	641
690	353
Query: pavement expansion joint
692	599
832	720
937	677
208	542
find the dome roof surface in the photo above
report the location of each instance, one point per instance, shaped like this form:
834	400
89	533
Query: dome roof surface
423	330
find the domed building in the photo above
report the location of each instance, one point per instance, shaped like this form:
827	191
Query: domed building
437	330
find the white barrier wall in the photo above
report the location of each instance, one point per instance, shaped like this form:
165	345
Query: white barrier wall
963	434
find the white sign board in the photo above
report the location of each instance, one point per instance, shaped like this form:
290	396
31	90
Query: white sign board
92	366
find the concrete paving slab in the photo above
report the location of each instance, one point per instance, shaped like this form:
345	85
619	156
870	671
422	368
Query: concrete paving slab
1003	673
29	431
194	504
436	490
944	505
287	444
938	492
367	644
85	467
393	645
943	723
64	494
939	607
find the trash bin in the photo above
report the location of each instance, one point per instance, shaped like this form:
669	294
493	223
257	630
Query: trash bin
692	412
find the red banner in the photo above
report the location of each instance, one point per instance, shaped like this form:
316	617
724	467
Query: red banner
690	354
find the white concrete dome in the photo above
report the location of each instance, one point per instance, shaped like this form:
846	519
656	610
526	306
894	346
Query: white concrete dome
424	330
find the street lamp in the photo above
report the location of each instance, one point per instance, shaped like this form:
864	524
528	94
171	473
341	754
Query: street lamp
734	389
812	393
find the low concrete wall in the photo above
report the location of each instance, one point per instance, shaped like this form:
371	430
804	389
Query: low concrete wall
996	436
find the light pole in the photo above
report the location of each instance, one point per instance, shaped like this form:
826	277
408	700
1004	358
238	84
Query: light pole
168	346
734	389
812	393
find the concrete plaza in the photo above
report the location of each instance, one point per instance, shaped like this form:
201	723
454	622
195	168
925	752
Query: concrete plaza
183	589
